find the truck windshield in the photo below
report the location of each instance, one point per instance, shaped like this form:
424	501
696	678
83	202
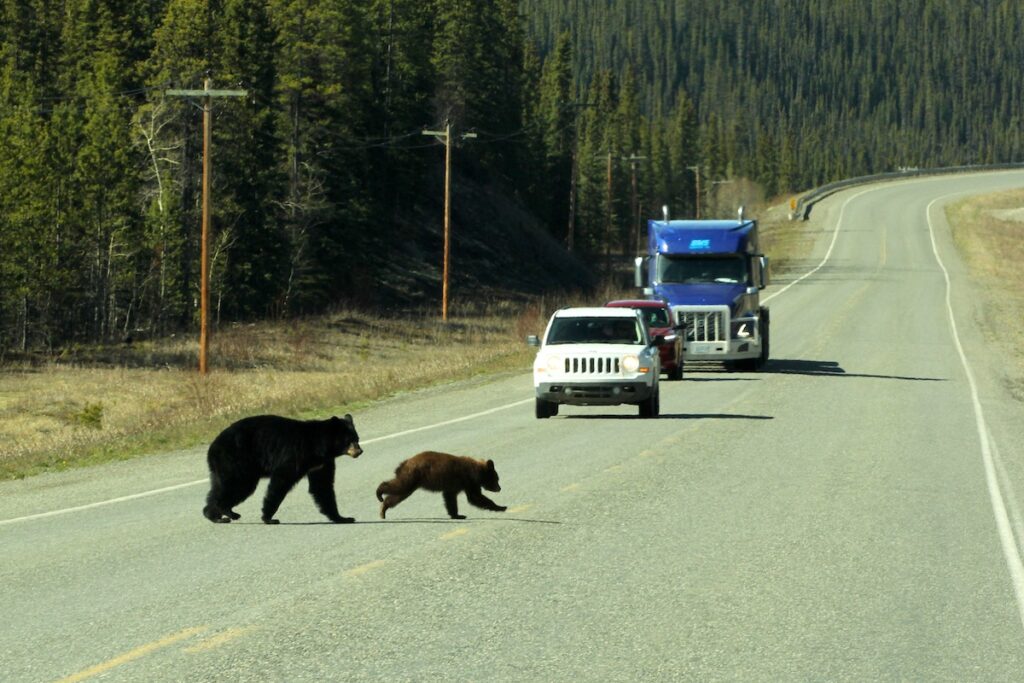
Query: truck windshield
595	331
698	269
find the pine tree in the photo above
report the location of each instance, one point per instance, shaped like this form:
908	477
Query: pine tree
247	149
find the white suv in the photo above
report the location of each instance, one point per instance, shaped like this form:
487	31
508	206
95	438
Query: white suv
596	357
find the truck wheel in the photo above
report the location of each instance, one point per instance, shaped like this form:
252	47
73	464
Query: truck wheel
545	409
765	338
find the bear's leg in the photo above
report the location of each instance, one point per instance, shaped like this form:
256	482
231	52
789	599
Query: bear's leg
481	501
226	493
392	499
451	504
277	489
321	487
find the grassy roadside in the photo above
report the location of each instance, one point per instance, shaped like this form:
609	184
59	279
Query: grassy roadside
103	404
987	231
91	405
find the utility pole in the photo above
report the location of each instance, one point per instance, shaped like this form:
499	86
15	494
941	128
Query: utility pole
696	173
204	290
445	136
633	160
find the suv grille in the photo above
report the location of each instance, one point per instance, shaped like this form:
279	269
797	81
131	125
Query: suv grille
591	365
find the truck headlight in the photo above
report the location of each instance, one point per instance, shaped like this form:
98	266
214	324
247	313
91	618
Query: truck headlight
630	363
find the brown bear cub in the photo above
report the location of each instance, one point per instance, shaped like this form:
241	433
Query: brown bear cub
446	473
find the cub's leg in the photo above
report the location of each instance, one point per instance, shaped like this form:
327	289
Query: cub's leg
481	501
321	487
392	498
451	504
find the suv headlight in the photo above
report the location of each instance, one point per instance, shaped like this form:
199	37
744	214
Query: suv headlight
555	364
630	363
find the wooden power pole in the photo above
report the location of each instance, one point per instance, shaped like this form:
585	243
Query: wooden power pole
633	160
445	136
204	290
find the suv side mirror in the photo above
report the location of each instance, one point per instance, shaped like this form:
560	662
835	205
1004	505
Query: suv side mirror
533	340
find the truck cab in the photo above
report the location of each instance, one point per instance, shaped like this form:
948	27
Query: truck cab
711	273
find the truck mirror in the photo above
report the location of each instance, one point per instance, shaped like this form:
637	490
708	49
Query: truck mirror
638	271
533	340
764	271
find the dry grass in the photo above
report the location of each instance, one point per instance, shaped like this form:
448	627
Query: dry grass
92	405
988	232
101	404
88	405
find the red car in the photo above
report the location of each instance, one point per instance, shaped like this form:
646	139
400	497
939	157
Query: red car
660	321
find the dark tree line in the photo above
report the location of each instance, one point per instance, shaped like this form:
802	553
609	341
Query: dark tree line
591	113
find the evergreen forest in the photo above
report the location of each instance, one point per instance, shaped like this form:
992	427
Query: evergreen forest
576	117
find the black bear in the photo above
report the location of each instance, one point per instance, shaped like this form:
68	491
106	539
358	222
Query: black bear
442	472
283	449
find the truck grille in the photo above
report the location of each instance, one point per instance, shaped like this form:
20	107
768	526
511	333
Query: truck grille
591	365
704	326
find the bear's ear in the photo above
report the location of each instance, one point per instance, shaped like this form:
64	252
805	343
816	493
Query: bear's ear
348	418
490	465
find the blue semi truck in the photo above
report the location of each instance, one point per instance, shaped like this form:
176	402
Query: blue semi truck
711	273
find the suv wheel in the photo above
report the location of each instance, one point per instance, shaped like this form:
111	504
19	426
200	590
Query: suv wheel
545	409
651	406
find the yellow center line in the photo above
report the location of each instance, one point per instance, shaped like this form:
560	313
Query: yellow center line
219	639
132	655
613	468
461	531
570	487
363	568
520	508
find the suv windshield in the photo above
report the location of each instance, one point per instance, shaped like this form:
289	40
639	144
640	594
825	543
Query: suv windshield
697	269
595	331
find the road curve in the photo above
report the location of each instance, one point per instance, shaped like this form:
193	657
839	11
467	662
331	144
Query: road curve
851	513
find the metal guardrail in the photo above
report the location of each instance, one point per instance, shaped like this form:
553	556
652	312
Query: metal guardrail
806	202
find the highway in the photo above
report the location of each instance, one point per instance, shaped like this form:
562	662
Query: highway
851	513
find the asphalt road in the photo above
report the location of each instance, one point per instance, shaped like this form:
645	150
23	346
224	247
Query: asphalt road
848	514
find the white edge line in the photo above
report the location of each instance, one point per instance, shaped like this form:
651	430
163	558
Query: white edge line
144	494
1011	551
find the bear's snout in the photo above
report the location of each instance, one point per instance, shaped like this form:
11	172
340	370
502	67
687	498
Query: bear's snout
354	450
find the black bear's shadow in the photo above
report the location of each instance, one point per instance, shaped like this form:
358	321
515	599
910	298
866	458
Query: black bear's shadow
420	520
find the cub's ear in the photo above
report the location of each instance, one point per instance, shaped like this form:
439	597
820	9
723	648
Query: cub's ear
490	465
